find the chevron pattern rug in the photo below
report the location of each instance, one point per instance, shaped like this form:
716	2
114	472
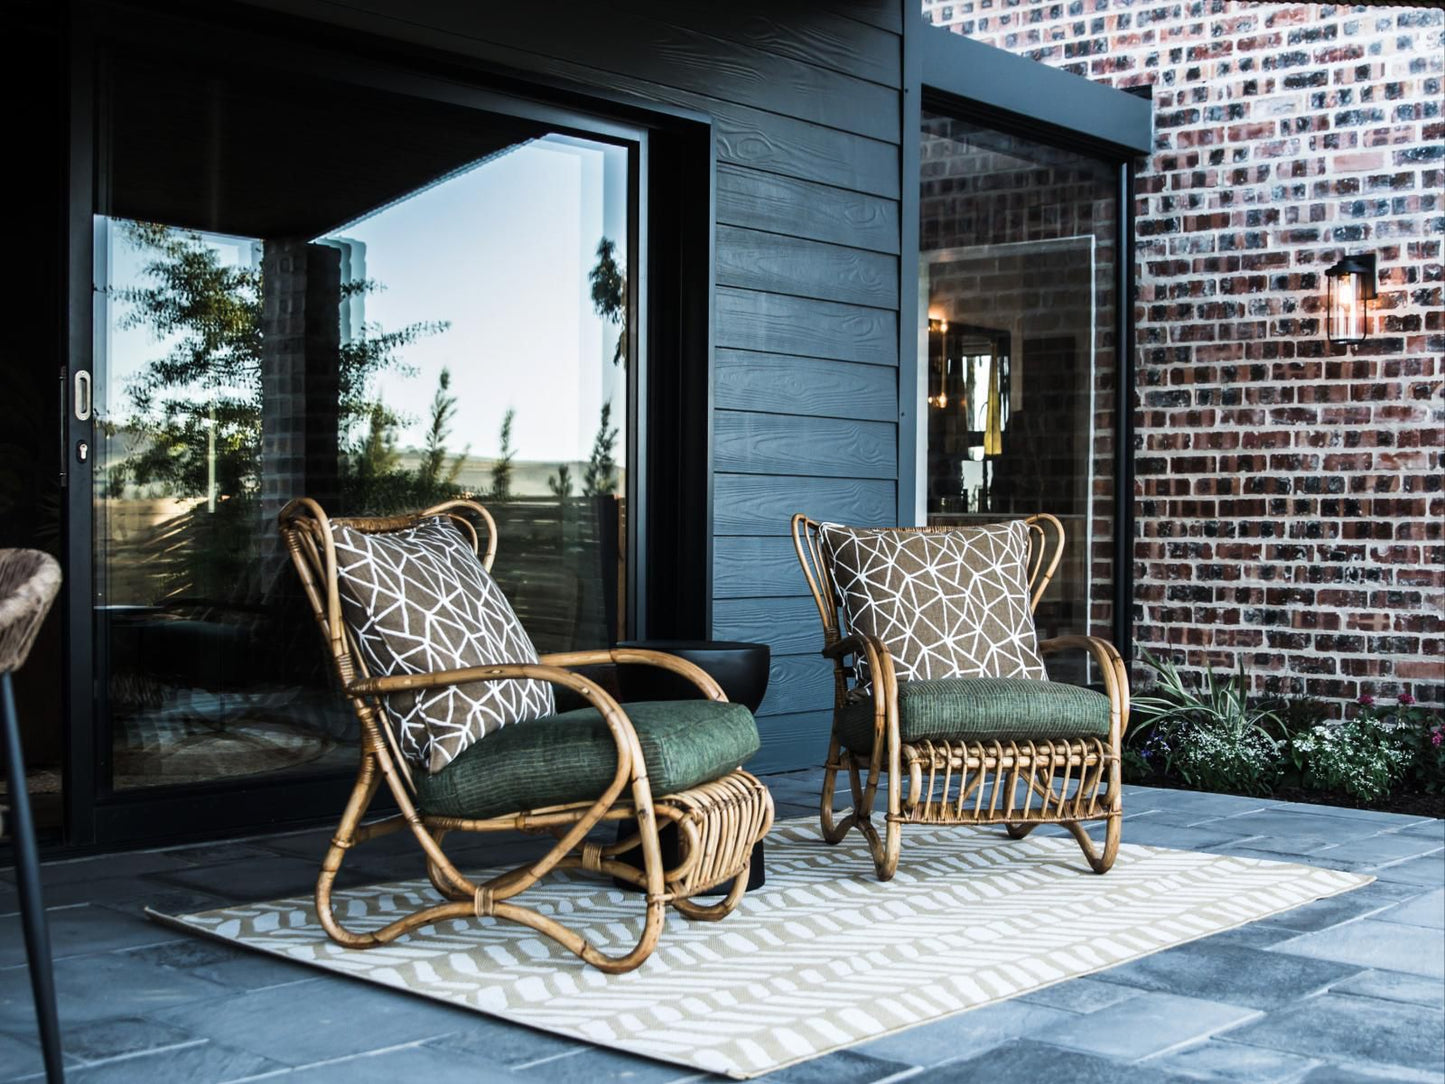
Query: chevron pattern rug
822	957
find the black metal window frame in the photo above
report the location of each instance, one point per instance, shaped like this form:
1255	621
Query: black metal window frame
671	215
947	73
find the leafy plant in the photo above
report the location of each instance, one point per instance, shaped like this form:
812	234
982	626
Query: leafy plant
561	483
599	477
1367	756
609	294
502	468
1214	737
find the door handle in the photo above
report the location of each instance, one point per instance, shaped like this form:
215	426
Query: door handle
82	398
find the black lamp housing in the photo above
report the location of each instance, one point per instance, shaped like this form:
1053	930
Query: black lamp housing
1350	287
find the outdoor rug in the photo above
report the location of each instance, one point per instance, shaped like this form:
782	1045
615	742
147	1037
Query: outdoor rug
824	956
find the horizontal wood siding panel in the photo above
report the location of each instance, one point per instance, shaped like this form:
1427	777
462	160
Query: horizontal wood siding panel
799	682
781	384
747	443
757	504
753	567
744	135
821	212
750	320
757	260
789	626
750	137
790	742
810	32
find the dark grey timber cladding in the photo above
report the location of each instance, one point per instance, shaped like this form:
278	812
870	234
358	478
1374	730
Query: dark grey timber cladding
805	102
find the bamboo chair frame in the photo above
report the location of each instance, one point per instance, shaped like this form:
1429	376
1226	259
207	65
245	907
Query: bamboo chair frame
718	822
963	782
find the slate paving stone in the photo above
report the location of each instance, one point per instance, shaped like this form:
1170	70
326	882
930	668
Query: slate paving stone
1394	986
967	1033
1427	910
1366	1074
1428	871
1367	943
1151	1023
1233	1061
1340	1028
1025	1061
1230	974
1431	829
1359	902
501	1043
411	1063
1207	838
319	1020
1081	995
231	967
1381	848
102	987
122	1037
1285	822
267	879
840	1067
1252	934
20	1057
211	1063
1283	848
81	929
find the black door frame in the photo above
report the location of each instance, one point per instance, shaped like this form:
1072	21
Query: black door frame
671	213
948	73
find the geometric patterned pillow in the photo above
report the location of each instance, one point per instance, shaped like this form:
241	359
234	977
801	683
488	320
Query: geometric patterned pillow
946	604
418	601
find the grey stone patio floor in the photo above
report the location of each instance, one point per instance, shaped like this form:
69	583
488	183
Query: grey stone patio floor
1346	989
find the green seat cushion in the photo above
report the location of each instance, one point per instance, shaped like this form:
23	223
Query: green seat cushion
982	709
571	757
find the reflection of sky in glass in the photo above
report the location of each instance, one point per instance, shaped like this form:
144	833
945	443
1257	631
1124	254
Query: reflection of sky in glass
502	253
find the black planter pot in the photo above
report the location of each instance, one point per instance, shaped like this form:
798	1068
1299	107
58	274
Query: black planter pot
742	671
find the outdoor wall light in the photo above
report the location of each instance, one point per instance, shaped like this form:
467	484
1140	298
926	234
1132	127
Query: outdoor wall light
1350	288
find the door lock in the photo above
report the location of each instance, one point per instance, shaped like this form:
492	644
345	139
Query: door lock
82	451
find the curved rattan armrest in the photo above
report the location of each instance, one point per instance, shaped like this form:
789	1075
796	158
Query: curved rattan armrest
629	749
1110	663
637	656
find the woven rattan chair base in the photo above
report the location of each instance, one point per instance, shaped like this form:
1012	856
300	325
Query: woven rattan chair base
1018	785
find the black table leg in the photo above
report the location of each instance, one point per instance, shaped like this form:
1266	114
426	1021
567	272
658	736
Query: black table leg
27	878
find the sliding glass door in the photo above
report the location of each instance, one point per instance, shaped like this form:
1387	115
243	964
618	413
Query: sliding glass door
1018	287
308	286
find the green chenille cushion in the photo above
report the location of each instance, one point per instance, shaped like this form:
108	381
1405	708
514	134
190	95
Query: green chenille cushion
982	709
571	757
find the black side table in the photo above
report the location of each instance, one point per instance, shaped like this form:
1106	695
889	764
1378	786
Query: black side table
742	671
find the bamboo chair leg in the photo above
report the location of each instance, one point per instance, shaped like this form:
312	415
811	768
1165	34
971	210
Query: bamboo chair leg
834	829
1019	831
442	879
1099	861
716	911
367	780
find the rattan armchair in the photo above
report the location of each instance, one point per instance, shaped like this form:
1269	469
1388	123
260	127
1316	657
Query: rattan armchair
718	821
1018	782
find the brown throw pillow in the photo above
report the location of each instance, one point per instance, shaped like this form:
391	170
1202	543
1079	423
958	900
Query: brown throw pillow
946	604
417	601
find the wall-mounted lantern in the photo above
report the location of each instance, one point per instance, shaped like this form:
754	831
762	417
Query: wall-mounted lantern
1350	289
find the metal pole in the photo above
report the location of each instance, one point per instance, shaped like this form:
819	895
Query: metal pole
27	877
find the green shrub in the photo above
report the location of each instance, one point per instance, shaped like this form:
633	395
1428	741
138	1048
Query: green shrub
1367	756
1214	738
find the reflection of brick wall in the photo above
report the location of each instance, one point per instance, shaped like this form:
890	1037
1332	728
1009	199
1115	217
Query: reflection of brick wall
1003	223
300	384
1289	494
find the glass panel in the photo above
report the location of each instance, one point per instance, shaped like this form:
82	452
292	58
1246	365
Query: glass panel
380	303
1017	291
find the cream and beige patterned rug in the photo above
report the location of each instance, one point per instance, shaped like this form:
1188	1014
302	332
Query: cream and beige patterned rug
824	956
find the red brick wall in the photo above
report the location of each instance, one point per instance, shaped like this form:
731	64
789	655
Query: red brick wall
1288	501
